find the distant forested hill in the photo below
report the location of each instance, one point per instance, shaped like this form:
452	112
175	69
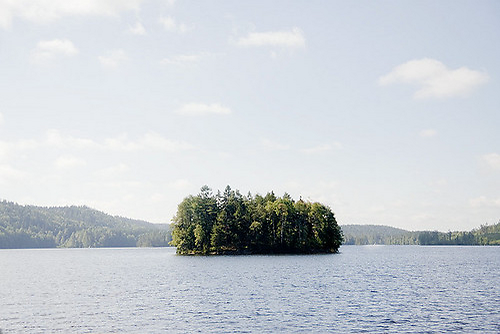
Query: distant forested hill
377	235
485	235
27	226
386	235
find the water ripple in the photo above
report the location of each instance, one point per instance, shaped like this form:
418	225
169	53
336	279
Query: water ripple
375	290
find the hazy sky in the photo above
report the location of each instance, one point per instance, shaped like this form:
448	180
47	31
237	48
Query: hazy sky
388	111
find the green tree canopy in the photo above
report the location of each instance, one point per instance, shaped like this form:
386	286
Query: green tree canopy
230	223
26	226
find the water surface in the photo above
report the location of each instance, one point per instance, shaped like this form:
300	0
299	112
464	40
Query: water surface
386	289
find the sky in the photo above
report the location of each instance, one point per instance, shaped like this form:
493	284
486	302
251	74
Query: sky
387	111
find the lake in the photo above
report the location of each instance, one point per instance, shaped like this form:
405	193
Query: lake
376	289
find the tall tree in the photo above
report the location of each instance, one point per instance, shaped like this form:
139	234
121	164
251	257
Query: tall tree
232	223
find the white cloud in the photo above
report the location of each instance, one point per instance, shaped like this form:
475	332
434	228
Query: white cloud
120	168
158	198
491	160
321	148
113	59
157	142
290	39
434	79
483	201
149	141
1	118
170	24
56	139
428	133
113	170
137	29
8	173
4	149
123	186
12	148
440	183
378	209
120	143
181	59
438	186
420	218
65	162
188	59
181	184
274	146
46	51
203	109
43	11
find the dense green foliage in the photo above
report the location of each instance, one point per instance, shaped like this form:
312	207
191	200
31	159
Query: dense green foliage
485	235
377	235
75	226
385	235
230	223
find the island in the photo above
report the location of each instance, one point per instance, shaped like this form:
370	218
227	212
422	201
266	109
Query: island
230	223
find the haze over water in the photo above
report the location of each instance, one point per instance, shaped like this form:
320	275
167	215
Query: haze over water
374	289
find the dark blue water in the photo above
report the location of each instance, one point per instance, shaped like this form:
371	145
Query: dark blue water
384	289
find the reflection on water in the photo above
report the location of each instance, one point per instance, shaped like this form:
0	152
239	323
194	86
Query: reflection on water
362	289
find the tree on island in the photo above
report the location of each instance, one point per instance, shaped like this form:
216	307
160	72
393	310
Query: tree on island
230	223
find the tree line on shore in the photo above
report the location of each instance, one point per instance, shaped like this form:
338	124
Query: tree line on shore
484	235
378	235
386	235
26	226
230	223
